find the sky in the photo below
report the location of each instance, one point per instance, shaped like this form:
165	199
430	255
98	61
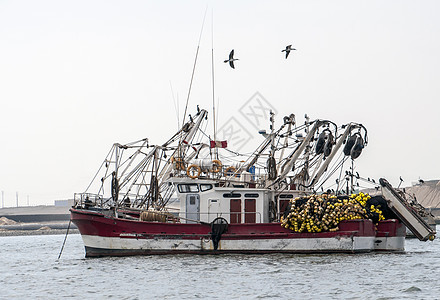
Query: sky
78	76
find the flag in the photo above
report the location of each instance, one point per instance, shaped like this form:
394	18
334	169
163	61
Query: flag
219	144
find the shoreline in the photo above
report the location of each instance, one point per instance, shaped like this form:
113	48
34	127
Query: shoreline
4	233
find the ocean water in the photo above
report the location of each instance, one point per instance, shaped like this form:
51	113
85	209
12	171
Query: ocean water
29	269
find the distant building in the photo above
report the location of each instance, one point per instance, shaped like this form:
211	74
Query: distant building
64	203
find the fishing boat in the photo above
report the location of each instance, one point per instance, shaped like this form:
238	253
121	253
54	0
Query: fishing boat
194	195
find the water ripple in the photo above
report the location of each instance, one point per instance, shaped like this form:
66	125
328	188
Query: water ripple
30	270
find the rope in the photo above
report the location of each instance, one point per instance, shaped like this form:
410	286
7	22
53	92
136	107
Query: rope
65	238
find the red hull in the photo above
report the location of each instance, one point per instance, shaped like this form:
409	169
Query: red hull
91	223
96	225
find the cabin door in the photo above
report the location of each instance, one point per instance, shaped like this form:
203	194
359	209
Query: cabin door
250	210
192	208
235	210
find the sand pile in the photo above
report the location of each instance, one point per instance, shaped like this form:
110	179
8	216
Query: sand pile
427	193
6	221
45	228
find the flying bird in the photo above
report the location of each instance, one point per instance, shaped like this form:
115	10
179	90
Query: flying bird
287	50
231	59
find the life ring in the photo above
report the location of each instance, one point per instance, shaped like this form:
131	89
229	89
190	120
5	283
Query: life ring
216	166
230	170
197	169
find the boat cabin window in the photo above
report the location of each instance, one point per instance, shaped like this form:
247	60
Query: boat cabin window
238	185
188	188
284	196
231	195
253	195
205	187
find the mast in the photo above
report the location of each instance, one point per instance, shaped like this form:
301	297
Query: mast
291	121
213	84
194	69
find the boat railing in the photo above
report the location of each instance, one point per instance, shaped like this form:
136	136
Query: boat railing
88	200
238	217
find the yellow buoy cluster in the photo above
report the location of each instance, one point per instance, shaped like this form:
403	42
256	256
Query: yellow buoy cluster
318	213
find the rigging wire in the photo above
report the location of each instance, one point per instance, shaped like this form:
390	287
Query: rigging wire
333	171
110	153
176	105
113	150
194	69
340	173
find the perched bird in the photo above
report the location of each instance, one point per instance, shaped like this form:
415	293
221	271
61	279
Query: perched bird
231	59
287	50
401	180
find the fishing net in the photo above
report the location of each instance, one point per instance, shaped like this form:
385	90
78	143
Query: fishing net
320	213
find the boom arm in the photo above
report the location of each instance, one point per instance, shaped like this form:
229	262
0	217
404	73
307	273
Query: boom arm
332	154
297	152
